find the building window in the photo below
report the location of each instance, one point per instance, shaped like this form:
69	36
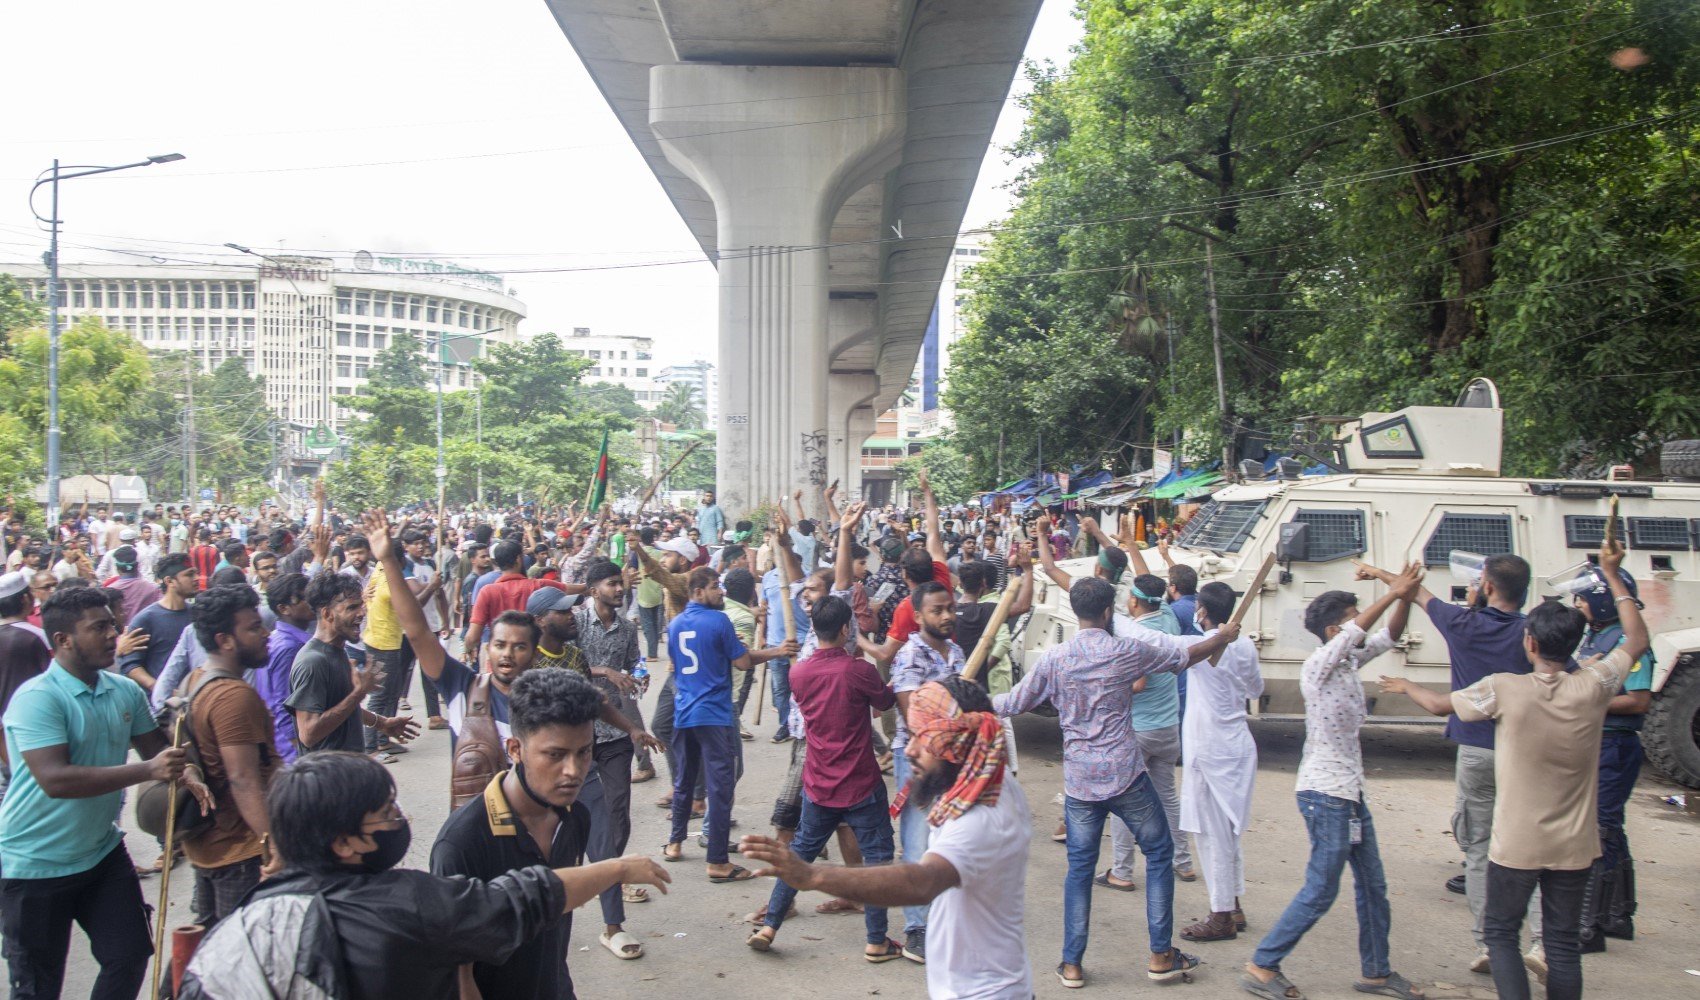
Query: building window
594	373
360	369
378	341
200	299
78	297
642	373
130	297
215	299
200	329
398	309
431	313
362	339
182	328
344	304
596	355
147	297
413	310
344	338
362	306
248	330
463	319
182	300
342	369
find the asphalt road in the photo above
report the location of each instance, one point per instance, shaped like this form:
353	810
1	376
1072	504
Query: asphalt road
694	936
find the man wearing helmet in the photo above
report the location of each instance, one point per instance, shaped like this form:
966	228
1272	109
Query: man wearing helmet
1608	906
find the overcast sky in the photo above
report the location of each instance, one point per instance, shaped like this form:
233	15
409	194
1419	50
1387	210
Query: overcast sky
468	131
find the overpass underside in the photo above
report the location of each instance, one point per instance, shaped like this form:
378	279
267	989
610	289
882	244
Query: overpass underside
823	153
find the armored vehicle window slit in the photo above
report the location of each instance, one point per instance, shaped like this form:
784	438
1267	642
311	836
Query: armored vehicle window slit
1586	531
1334	534
1668	534
1221	526
1485	534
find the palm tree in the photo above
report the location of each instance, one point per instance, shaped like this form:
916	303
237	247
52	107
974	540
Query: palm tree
680	406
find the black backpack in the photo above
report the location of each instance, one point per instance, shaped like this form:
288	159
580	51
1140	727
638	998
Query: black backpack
153	797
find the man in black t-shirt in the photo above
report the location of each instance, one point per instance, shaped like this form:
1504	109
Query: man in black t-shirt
530	815
325	690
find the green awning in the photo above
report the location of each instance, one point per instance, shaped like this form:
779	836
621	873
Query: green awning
885	443
1181	487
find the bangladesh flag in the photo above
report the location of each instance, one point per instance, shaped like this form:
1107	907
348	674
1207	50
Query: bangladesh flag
599	482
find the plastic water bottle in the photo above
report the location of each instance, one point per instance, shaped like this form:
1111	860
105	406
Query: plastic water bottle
640	673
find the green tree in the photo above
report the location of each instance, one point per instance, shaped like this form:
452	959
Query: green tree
680	406
949	471
17	310
401	365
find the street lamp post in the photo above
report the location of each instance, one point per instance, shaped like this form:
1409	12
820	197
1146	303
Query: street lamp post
54	175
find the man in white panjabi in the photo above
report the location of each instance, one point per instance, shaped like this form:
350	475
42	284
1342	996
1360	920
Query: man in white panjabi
1221	765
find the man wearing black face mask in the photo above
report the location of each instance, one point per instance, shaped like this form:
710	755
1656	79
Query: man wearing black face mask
341	917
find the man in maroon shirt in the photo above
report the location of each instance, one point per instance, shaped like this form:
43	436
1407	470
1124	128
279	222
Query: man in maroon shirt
834	691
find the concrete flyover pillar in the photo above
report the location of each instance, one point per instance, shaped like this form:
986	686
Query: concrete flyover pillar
844	394
862	421
779	149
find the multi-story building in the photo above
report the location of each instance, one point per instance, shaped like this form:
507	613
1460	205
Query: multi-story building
626	361
943	331
311	326
703	378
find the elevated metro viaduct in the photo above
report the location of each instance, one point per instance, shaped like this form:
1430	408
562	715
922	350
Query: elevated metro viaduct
823	153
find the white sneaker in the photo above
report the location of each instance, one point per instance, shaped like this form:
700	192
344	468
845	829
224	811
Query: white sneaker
1536	962
1480	964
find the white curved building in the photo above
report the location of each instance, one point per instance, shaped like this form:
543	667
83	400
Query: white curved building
312	326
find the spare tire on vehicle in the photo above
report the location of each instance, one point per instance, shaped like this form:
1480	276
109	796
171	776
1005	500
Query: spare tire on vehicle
1680	460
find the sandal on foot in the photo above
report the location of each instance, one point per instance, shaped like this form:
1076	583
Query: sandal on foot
634	894
890	950
1180	967
1396	986
1104	880
1073	984
665	856
622	944
1212	929
832	906
759	941
1279	988
646	774
738	874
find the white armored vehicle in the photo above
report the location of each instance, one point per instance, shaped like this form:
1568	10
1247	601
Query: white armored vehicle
1421	484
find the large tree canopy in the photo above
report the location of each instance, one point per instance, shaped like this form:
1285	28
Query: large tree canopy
1392	197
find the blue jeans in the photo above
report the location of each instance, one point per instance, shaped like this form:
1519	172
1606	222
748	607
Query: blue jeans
1329	822
870	821
649	619
713	752
916	833
779	683
1142	811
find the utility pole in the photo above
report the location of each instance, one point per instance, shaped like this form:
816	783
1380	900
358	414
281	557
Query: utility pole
480	407
1000	456
189	446
1216	340
1174	388
442	469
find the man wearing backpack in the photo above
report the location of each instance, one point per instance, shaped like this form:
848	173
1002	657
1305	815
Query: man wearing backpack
232	732
476	704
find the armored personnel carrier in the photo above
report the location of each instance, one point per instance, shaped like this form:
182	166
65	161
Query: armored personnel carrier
1422	484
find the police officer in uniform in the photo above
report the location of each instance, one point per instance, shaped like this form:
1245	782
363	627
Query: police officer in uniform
1608	906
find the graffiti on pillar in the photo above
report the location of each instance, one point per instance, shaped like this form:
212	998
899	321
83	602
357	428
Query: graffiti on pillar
814	452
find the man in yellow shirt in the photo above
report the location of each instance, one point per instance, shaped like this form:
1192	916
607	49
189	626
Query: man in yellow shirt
388	648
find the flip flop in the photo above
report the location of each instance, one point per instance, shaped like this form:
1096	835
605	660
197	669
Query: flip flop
892	950
672	857
1073	984
1279	988
738	874
1104	880
618	944
1396	986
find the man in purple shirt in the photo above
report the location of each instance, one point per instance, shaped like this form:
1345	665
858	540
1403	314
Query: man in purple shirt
138	593
841	781
287	597
1090	680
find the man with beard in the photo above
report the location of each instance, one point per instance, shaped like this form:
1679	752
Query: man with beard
534	813
973	873
339	833
705	649
233	732
325	690
928	655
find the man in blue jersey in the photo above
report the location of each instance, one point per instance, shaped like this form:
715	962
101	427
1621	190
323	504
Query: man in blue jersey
704	648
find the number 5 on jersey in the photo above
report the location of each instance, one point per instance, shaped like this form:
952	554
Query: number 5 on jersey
685	638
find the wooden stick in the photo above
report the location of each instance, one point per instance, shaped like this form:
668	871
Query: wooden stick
1611	521
1255	589
761	688
983	648
663	477
165	870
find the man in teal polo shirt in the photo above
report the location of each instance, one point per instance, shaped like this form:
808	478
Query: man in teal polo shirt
62	858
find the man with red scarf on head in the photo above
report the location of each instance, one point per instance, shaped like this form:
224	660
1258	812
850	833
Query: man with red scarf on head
975	868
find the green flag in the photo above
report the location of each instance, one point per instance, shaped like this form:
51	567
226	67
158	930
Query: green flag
599	482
